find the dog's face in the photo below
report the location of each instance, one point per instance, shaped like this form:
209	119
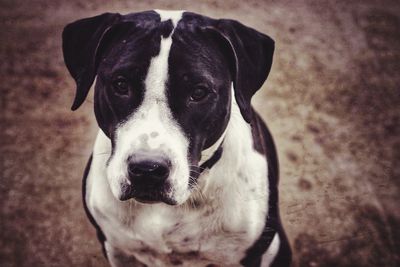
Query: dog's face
163	92
159	110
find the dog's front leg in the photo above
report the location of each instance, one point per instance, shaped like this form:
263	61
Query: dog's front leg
117	258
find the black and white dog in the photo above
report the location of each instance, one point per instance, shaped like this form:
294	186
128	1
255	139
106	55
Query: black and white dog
183	171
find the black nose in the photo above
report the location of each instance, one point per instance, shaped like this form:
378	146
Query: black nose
147	170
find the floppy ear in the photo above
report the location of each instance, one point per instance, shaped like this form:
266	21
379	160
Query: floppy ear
252	52
80	42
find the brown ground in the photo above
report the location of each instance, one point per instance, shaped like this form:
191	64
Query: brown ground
332	102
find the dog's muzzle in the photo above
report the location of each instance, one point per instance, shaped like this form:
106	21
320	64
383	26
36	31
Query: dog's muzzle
147	174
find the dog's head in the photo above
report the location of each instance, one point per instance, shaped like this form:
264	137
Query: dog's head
163	92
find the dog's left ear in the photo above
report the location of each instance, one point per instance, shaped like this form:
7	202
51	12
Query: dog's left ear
252	52
80	41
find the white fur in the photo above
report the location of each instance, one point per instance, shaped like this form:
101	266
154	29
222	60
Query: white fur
271	253
219	221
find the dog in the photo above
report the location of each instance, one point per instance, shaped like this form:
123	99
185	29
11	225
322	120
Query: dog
183	172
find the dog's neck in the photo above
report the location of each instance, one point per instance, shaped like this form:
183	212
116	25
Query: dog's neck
236	160
210	152
214	152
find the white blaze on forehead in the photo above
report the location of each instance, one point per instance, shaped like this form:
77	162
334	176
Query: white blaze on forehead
158	70
158	73
173	15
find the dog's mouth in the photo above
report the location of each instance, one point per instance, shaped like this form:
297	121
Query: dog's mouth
152	198
147	196
153	192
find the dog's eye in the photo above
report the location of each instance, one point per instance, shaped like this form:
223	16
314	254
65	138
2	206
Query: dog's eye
199	93
121	86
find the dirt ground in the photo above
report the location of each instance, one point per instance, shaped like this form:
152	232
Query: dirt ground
332	101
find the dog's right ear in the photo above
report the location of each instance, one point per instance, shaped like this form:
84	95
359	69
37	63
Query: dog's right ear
80	42
251	54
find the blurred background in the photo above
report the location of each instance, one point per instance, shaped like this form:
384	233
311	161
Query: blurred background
332	102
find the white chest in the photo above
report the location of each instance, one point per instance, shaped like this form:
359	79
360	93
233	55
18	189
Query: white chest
226	221
157	236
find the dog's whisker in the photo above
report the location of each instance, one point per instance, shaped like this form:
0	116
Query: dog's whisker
102	153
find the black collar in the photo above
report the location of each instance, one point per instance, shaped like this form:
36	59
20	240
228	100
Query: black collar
213	159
